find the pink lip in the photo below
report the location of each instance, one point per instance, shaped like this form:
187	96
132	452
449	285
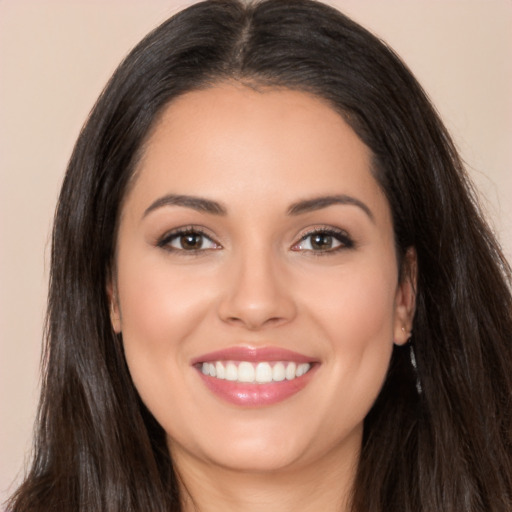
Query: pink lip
253	355
255	395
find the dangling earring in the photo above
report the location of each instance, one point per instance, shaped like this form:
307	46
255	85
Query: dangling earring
414	364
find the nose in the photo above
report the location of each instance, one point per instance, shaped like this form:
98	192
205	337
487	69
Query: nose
257	292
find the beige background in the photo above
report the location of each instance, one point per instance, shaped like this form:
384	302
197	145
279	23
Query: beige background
55	57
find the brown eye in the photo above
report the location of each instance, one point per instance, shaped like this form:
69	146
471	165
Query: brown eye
324	241
187	241
190	241
321	242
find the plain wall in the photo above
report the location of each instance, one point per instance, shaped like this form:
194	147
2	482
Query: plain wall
55	57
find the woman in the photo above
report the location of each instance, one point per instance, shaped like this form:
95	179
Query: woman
271	286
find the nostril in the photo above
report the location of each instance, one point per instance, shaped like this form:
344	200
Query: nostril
254	323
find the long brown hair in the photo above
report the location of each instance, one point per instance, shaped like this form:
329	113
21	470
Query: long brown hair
438	437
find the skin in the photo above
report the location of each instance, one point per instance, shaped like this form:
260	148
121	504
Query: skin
257	281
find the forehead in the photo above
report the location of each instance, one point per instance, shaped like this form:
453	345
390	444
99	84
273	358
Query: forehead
232	141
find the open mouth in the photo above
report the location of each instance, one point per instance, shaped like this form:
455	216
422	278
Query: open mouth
255	377
262	372
250	376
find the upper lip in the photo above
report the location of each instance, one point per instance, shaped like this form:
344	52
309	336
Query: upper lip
253	354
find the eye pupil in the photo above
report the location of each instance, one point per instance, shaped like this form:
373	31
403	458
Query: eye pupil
191	241
321	241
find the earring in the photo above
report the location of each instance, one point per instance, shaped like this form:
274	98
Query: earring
414	364
412	357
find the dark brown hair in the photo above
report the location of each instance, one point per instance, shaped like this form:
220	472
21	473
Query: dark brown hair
446	448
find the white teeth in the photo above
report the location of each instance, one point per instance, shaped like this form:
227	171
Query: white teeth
260	373
302	369
245	372
219	368
290	371
263	373
278	372
231	372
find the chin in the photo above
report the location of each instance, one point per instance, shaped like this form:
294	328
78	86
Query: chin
256	448
256	458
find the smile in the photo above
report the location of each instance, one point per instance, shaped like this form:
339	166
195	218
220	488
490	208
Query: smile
255	373
255	377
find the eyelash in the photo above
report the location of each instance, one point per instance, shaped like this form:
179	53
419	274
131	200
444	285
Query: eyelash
165	241
339	235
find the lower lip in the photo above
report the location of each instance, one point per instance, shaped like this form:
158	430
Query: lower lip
256	395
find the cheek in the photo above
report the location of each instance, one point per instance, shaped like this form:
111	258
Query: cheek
160	311
159	303
355	305
355	311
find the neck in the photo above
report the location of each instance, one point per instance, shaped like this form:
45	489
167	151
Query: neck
324	485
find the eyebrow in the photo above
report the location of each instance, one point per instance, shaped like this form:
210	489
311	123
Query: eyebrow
213	207
195	203
317	203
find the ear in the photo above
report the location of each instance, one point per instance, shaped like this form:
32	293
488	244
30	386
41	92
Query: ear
115	315
405	300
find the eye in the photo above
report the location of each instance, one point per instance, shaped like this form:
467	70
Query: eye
188	239
324	240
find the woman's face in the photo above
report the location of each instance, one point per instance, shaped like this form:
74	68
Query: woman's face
256	280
